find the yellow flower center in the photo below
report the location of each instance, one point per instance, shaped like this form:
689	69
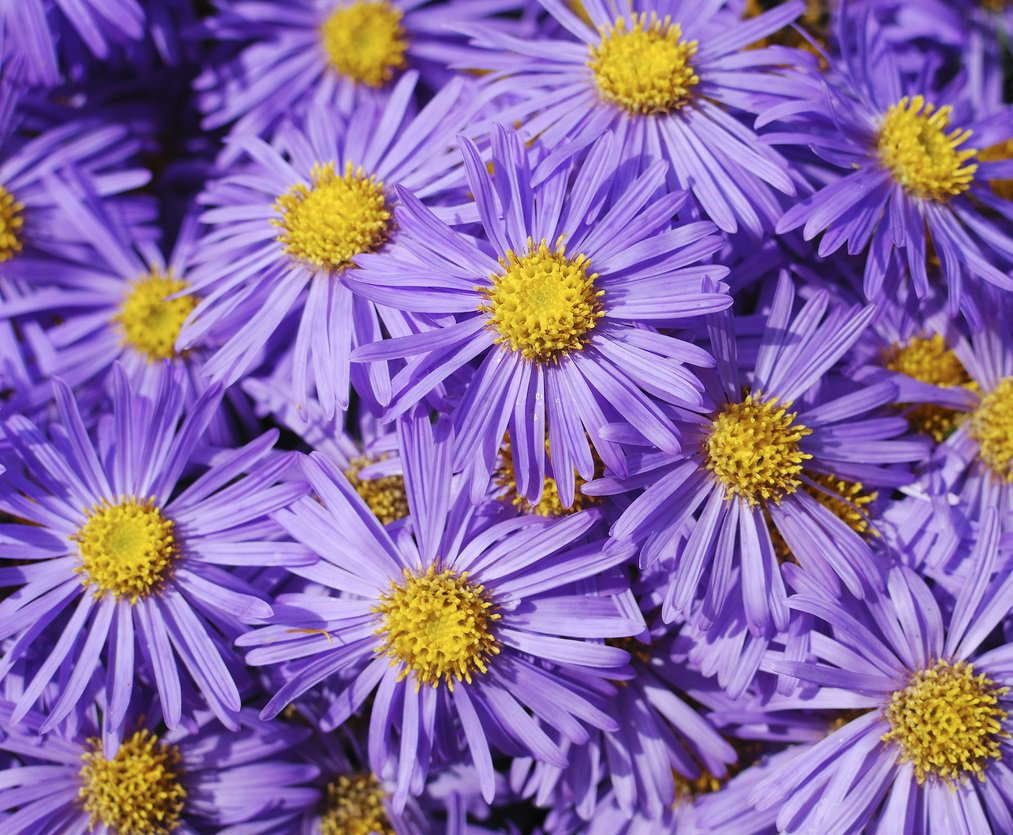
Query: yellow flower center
543	304
385	496
992	428
549	504
126	549
137	791
646	69
999	152
11	221
365	42
354	806
151	321
336	218
921	155
928	360
753	450
947	722
439	625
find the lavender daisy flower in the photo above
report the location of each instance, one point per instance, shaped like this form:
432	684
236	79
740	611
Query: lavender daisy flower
464	628
329	54
117	300
668	77
781	471
930	750
122	564
289	227
557	303
915	184
76	779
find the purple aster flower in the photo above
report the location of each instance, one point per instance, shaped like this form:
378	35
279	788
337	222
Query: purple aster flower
76	779
289	227
917	181
120	548
557	303
930	750
670	78
301	54
457	631
781	471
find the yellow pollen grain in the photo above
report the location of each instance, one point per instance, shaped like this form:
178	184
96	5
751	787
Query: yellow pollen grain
1000	152
439	625
644	69
385	496
543	304
11	222
127	549
929	360
915	147
947	722
151	321
753	450
354	806
549	504
992	427
365	42
138	791
328	223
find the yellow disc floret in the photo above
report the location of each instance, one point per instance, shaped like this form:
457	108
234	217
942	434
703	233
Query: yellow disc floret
365	42
328	223
354	806
11	221
646	68
544	304
929	360
149	319
385	496
439	625
921	155
1000	152
992	427
138	791
947	722
126	549
753	449
847	500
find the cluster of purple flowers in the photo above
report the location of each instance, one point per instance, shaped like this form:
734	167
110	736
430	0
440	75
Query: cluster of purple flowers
515	416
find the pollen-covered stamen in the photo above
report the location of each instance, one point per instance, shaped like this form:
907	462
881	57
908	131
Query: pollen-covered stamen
753	449
336	218
992	427
385	495
137	791
439	625
150	319
549	504
915	147
646	68
365	41
544	304
11	222
354	806
126	549
929	360
947	722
